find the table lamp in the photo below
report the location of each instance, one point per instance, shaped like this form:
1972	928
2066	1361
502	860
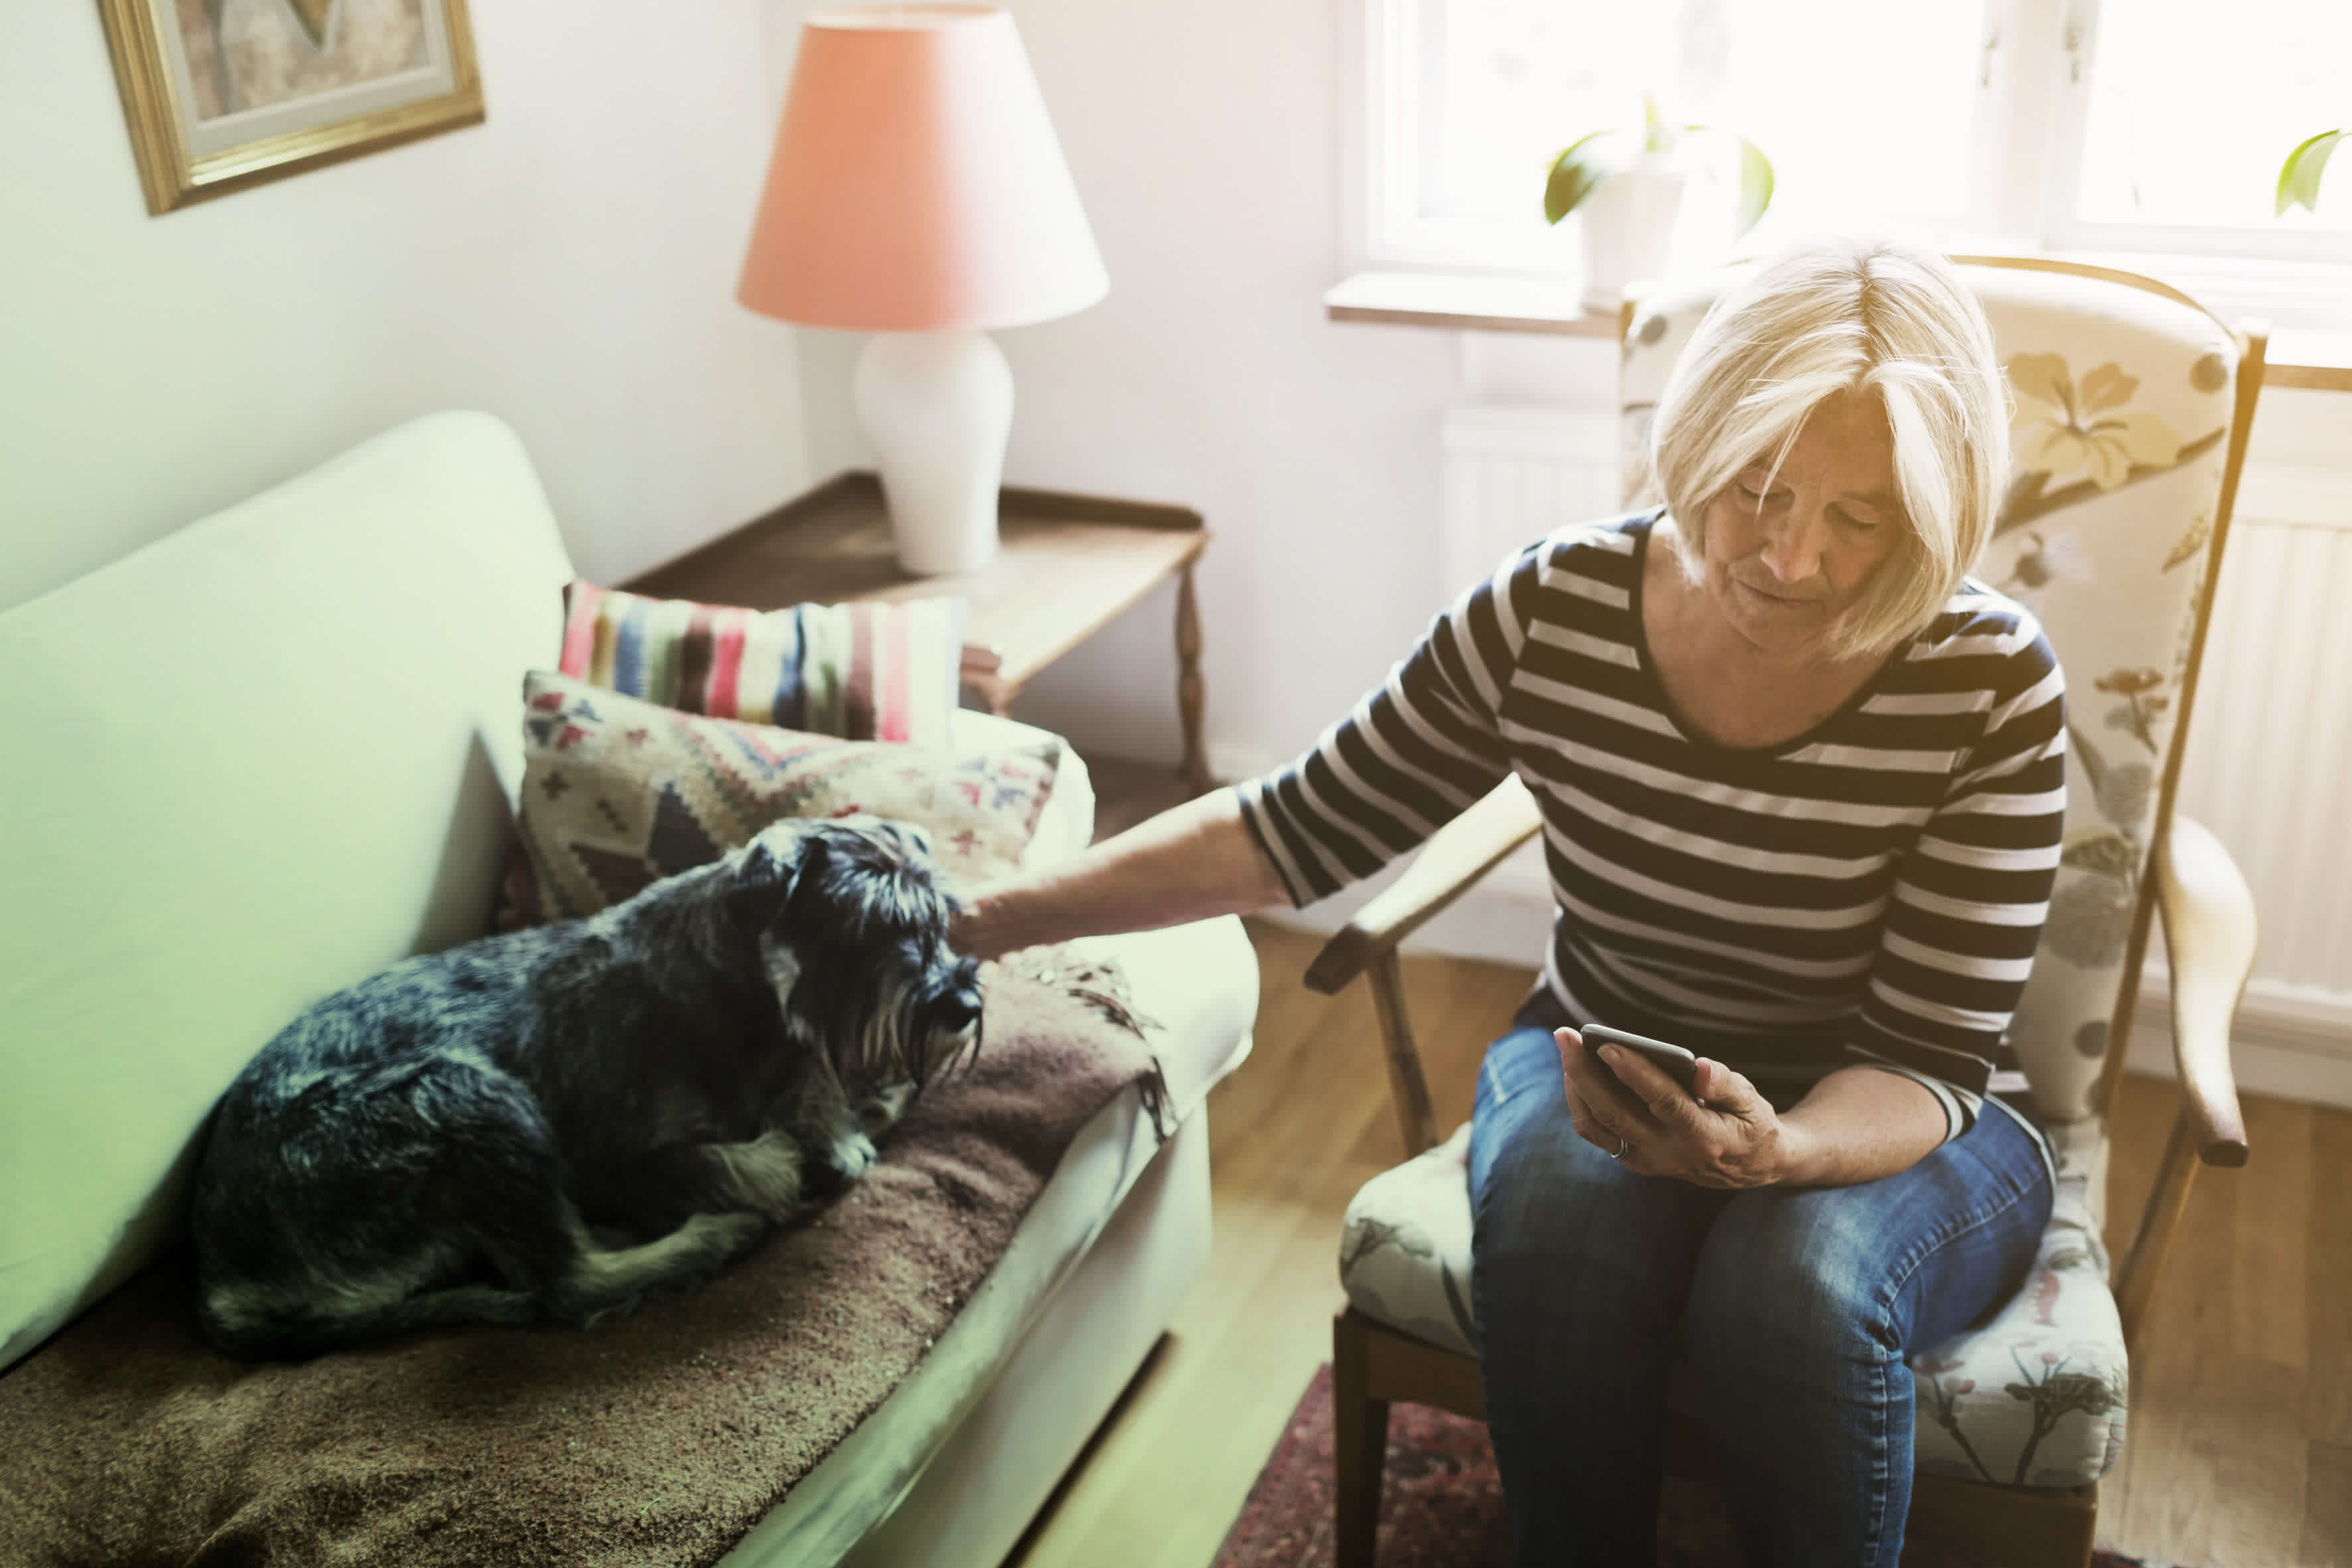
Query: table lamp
917	192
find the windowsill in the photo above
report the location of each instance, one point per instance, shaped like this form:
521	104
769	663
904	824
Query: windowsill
2318	360
1466	301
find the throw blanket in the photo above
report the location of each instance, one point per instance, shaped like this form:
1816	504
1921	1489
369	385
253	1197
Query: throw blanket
655	1438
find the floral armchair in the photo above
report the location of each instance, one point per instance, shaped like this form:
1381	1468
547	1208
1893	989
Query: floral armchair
2132	408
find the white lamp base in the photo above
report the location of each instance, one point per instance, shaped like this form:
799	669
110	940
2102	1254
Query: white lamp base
938	407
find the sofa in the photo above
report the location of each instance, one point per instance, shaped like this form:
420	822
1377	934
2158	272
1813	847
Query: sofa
279	749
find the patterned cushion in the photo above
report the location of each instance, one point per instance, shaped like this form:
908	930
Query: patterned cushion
2122	399
865	672
1404	1246
618	792
2035	1397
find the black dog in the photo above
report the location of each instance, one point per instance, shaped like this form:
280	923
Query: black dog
557	1123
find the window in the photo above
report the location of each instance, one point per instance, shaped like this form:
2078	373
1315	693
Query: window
2138	127
2176	131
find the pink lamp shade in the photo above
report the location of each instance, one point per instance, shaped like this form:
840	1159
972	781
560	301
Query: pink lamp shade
916	184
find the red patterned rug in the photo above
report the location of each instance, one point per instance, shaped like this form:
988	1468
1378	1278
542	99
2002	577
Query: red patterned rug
1442	1502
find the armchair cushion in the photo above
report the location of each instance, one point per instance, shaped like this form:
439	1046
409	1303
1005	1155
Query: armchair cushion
1404	1246
2034	1397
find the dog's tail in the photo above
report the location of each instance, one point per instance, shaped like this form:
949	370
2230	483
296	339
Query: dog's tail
254	1329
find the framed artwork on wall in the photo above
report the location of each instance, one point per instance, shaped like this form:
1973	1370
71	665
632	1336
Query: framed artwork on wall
223	94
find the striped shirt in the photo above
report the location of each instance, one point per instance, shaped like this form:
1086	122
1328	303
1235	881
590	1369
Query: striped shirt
1870	891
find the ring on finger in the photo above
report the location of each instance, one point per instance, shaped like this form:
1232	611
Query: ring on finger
1623	1143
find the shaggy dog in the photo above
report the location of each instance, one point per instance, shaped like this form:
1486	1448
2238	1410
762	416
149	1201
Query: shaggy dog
557	1123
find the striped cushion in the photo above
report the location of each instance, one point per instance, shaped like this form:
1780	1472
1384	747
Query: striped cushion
864	672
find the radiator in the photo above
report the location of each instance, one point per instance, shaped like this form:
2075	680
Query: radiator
2268	767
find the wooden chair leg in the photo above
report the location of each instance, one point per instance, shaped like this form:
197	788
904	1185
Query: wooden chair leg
2017	1527
1360	1441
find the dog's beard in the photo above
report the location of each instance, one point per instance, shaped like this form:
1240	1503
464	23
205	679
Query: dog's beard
902	1043
873	1046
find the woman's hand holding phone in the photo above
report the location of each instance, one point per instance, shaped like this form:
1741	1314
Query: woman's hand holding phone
1676	1061
1712	1129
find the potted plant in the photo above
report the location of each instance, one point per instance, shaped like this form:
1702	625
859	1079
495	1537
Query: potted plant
2298	181
1629	181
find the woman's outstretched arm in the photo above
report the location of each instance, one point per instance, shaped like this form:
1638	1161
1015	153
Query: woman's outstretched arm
1191	863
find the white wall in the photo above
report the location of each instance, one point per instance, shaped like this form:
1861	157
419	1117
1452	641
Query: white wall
569	266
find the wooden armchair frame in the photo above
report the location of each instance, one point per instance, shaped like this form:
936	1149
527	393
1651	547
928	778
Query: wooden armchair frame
2209	934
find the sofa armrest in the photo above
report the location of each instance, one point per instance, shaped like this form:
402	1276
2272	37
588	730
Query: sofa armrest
1456	857
2209	933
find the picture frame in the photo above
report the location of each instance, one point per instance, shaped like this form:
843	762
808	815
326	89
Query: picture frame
225	94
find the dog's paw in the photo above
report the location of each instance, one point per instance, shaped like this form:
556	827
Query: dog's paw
881	1110
852	1155
729	1235
768	1175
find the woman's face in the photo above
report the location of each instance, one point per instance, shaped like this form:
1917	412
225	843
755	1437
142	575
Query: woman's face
1790	553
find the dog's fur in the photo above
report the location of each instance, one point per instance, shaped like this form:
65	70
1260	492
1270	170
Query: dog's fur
557	1123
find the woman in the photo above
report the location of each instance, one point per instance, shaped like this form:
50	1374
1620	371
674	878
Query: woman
1801	787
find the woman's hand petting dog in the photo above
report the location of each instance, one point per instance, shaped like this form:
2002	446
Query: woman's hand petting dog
1727	1136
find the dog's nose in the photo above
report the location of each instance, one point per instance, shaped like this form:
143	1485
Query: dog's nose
958	1009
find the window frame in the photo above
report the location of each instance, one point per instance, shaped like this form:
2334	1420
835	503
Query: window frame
2060	229
2030	116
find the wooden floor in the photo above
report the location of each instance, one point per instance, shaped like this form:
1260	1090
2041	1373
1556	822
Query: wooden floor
2241	1447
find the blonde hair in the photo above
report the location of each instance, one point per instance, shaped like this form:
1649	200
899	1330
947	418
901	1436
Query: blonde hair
1860	316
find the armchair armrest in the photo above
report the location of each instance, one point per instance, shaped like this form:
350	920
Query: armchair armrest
1456	857
2209	931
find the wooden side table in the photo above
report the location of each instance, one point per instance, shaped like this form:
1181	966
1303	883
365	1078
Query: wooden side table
1069	565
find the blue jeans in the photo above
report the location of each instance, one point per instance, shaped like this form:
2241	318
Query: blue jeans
1793	1309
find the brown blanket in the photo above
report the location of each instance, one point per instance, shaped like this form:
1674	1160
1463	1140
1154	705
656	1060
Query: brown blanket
656	1438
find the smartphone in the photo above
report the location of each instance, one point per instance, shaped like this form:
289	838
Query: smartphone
1679	1064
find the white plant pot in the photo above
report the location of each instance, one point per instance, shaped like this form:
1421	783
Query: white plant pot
1628	230
938	407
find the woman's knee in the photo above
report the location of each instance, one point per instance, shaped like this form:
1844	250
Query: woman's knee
1566	1236
1849	1275
1786	1286
1536	1186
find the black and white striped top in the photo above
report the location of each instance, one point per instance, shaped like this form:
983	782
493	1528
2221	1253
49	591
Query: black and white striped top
1872	890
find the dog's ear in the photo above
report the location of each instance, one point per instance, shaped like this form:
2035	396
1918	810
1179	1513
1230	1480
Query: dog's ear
909	838
766	877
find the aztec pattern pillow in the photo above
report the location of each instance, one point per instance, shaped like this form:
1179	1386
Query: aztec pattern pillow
865	672
618	792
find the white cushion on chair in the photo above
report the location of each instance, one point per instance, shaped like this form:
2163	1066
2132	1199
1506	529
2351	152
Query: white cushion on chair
2035	1397
1405	1247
